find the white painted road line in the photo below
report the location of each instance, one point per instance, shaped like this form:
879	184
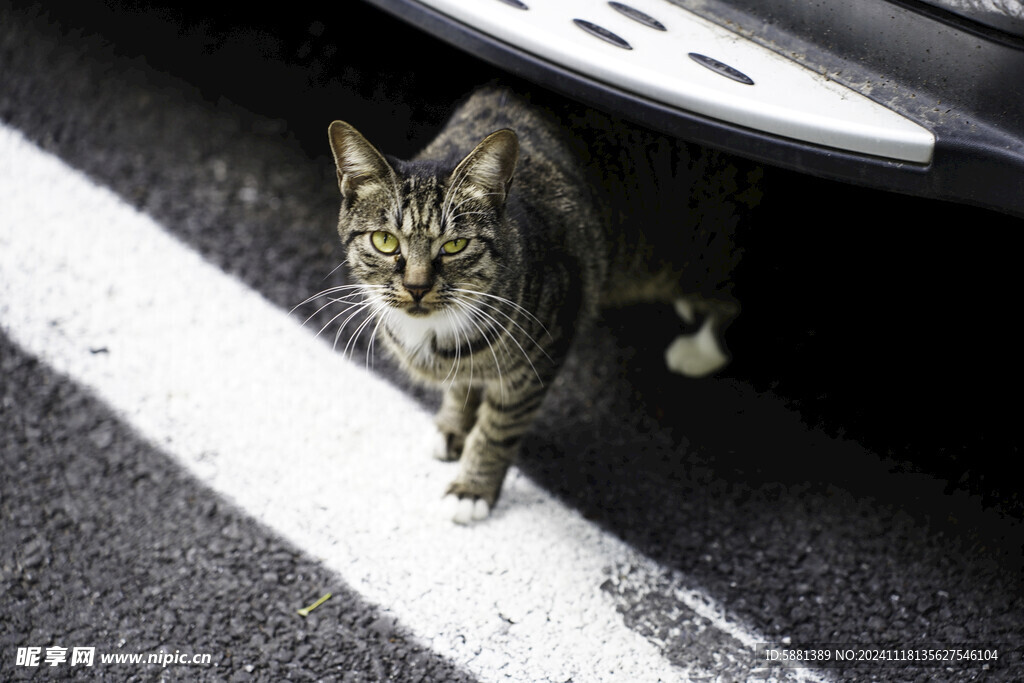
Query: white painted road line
313	446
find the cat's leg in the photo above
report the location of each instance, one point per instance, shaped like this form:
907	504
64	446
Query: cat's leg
503	418
455	419
701	353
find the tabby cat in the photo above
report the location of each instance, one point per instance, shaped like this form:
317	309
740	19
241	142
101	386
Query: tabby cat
485	256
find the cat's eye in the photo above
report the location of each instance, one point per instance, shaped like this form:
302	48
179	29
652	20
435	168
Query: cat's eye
384	242
454	246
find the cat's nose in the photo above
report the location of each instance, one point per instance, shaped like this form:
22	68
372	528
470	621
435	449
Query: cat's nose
417	291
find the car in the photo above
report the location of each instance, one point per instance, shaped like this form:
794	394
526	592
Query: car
918	97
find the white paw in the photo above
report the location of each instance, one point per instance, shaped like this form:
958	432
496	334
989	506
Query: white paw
465	510
696	355
440	447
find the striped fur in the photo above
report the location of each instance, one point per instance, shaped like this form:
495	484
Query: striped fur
550	212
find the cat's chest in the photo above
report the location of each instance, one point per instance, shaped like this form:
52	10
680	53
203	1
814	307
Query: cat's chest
425	342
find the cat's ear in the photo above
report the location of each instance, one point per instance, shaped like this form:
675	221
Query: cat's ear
360	166
490	166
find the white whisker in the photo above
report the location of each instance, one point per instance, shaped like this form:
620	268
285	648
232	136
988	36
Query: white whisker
453	371
358	308
497	364
335	290
373	335
458	325
331	301
335	269
498	310
353	339
490	324
511	336
508	302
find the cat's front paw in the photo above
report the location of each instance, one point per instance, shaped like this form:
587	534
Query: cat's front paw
465	510
448	445
466	503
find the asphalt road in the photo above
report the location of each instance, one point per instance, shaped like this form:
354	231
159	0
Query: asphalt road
846	481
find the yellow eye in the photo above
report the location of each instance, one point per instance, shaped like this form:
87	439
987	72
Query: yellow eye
455	246
385	242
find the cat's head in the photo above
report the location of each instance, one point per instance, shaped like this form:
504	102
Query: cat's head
420	236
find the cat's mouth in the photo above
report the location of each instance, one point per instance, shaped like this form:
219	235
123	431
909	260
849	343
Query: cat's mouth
418	309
